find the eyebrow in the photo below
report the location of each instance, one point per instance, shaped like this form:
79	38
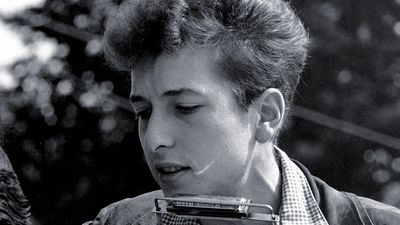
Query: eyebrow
170	93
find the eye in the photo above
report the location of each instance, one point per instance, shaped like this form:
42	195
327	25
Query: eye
187	109
144	114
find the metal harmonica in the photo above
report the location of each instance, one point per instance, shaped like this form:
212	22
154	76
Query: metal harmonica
213	207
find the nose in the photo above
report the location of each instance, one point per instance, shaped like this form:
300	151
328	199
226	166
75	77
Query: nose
158	134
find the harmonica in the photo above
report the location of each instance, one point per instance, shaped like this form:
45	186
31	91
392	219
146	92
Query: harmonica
213	207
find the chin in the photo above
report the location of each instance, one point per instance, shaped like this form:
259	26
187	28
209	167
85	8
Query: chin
170	192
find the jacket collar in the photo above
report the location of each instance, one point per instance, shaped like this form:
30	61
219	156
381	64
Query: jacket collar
338	207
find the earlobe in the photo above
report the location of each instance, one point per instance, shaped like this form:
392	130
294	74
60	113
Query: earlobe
263	134
271	106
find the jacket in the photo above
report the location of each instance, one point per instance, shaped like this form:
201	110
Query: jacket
339	208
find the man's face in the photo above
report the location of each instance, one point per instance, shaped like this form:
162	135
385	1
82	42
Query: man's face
195	138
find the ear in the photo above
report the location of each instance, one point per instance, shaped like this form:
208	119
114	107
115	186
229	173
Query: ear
271	108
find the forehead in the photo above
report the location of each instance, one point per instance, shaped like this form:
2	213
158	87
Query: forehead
188	68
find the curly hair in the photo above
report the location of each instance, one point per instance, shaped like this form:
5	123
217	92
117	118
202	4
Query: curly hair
14	207
259	43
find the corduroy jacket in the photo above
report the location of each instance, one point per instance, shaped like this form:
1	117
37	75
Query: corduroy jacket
339	208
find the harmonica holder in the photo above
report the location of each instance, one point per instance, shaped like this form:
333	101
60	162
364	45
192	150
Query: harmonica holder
212	207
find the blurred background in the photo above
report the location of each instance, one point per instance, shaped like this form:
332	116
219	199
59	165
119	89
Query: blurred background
71	135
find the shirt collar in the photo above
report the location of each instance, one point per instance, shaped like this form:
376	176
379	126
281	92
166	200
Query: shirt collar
298	205
169	219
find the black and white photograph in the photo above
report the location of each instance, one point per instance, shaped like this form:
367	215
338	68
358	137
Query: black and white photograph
199	112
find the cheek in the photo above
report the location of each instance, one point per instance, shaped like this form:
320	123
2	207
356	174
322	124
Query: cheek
218	145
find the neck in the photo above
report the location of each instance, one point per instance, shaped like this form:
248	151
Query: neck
261	183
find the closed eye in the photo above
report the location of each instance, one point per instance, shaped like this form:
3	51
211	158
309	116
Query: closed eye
187	109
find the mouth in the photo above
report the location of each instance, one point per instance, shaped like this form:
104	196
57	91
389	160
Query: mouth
170	173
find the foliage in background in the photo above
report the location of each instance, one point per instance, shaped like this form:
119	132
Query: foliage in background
72	137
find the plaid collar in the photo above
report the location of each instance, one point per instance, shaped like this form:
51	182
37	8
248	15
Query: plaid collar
169	219
298	206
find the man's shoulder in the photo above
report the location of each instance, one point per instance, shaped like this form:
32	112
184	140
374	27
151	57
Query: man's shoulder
135	210
143	200
139	203
341	206
347	208
381	213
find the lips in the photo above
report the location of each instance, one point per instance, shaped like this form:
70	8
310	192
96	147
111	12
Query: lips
169	172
